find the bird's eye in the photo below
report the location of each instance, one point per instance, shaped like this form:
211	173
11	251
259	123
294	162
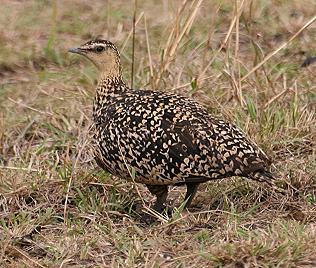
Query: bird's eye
99	49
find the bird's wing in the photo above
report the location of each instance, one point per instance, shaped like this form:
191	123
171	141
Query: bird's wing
174	139
211	148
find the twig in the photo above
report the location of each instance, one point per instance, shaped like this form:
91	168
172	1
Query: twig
230	30
20	168
31	108
236	60
28	257
275	98
175	38
131	32
270	55
231	27
71	177
133	44
188	84
148	50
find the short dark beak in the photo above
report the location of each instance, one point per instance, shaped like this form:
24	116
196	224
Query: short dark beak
76	50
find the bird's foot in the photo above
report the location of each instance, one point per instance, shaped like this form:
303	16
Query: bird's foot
163	210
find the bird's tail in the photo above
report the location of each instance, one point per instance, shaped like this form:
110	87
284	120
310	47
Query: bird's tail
267	177
262	176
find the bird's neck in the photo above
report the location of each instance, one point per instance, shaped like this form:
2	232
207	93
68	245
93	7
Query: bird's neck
111	71
109	88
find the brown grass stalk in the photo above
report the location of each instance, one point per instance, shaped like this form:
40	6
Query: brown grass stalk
276	51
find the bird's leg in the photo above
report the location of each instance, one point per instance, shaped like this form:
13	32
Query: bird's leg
161	192
191	191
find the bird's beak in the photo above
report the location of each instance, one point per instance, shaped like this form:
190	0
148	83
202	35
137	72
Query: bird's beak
77	50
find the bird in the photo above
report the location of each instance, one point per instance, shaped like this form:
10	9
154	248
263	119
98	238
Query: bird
167	139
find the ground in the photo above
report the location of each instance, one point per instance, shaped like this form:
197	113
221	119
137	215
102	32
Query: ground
58	209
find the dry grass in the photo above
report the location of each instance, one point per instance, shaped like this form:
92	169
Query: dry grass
58	209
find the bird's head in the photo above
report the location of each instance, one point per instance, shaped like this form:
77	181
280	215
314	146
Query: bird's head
103	54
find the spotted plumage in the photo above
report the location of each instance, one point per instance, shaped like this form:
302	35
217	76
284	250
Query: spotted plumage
166	138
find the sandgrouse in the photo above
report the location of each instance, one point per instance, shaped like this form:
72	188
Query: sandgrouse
166	138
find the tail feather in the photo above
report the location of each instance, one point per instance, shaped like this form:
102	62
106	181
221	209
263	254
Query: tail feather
262	176
267	177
